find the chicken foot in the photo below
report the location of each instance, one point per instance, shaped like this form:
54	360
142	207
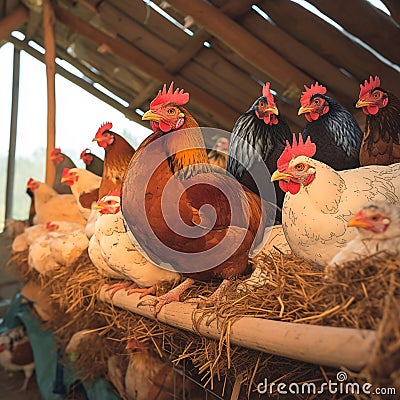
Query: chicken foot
127	285
143	291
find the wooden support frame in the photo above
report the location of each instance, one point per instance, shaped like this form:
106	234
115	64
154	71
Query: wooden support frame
321	345
148	66
243	43
13	21
50	61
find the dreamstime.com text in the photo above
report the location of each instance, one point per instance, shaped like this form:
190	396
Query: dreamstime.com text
339	387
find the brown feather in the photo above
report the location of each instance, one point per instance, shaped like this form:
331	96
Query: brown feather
22	353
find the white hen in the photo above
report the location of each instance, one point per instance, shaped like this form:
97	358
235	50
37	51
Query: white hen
84	186
51	206
378	231
319	201
120	254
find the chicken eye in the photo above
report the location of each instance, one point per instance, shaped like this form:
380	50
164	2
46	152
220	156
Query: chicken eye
374	218
261	104
170	111
300	167
316	101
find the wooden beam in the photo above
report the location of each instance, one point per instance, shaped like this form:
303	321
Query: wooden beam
147	65
394	8
243	42
13	21
326	40
318	67
366	22
50	57
321	345
82	83
233	8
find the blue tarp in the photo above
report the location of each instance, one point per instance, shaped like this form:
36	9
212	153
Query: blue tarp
53	380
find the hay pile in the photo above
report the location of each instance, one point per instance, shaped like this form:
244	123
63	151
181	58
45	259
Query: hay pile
363	295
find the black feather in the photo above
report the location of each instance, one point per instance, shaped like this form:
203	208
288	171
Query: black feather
253	142
337	136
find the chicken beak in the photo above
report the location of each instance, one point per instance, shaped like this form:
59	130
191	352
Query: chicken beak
358	221
63	180
304	110
151	116
362	103
97	139
273	110
98	207
277	176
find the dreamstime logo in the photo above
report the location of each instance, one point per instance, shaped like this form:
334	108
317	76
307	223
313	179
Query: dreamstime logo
192	220
340	387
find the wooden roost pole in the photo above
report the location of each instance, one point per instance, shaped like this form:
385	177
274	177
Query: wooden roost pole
49	43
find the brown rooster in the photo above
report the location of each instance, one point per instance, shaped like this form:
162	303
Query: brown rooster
381	141
118	153
180	209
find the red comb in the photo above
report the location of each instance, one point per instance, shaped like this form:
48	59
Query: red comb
309	92
301	148
114	193
106	126
31	180
55	152
84	152
65	172
267	93
372	84
165	96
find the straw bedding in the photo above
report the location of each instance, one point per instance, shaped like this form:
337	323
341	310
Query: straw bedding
363	295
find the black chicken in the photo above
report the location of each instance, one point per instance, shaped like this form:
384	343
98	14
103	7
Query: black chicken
332	128
93	163
381	143
258	139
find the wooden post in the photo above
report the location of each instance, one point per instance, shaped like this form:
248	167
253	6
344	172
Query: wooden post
13	134
321	345
13	21
49	42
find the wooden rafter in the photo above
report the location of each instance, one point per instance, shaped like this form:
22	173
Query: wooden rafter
327	41
242	42
394	8
371	25
147	65
13	21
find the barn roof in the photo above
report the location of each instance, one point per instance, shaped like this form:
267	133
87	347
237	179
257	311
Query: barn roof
220	51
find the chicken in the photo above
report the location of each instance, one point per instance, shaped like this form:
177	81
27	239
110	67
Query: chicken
148	376
332	128
185	215
320	201
258	139
60	161
118	153
57	246
381	142
84	186
16	353
51	206
93	163
378	231
218	155
121	255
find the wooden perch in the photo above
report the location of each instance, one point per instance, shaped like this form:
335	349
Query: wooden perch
322	345
13	21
